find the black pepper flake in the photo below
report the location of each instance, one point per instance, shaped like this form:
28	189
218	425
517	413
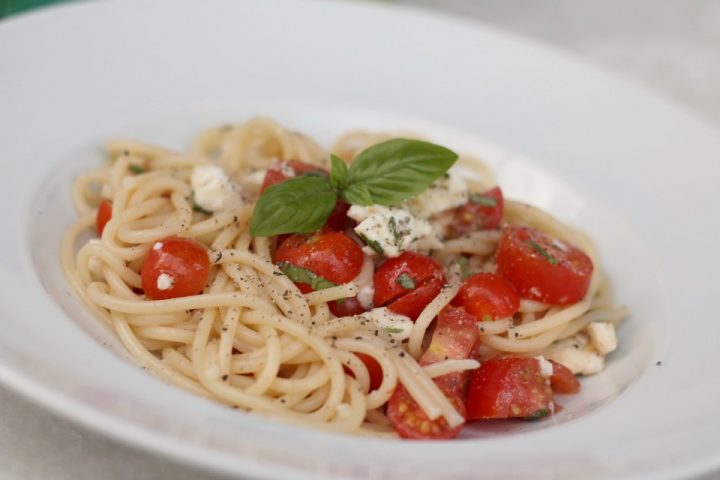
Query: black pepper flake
517	334
376	333
224	329
282	400
402	354
658	363
358	338
219	257
225	377
334	337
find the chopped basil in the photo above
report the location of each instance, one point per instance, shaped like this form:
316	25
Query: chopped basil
405	281
538	415
303	275
372	244
136	169
392	330
478	199
487	318
545	254
199	209
464	267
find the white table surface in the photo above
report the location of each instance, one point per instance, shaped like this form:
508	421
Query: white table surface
672	46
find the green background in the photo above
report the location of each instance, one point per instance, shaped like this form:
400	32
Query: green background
9	7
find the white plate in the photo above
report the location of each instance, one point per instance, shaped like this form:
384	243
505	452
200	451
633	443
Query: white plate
74	76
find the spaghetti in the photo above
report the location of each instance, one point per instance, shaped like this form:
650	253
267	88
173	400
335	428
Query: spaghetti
252	339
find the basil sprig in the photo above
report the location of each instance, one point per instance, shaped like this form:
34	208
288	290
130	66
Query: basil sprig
385	174
303	275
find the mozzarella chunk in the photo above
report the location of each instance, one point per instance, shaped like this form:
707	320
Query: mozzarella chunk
449	191
212	189
546	368
602	336
165	281
365	295
579	357
392	230
395	325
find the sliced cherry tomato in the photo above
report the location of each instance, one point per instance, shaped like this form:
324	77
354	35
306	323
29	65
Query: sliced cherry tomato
543	267
483	211
331	255
104	214
175	267
454	337
276	175
338	219
410	421
406	284
509	387
373	367
346	307
563	380
488	296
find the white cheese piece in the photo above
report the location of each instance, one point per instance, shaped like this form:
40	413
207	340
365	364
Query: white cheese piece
602	336
449	191
546	368
393	230
212	189
395	325
256	178
157	246
365	295
579	360
165	281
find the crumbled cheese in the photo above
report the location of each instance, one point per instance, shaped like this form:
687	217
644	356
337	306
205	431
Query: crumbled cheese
212	189
365	295
396	325
165	281
449	191
287	170
157	246
578	356
393	229
256	178
602	337
546	368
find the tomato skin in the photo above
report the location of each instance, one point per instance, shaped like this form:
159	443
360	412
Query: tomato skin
332	255
104	214
508	387
488	295
347	307
454	337
561	279
275	175
184	259
426	274
473	216
373	367
562	380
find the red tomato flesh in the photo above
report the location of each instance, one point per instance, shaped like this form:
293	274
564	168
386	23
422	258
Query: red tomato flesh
508	387
483	211
346	307
542	267
104	214
183	260
562	380
427	279
333	256
488	297
454	338
373	367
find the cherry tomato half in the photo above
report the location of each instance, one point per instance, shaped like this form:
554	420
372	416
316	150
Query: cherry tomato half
175	267
542	267
483	211
563	380
410	421
104	214
488	297
331	255
373	367
508	387
407	283
346	307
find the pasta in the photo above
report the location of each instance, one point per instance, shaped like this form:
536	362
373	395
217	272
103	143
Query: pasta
252	339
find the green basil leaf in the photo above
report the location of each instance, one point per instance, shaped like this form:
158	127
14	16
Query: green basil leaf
538	415
303	275
393	171
136	169
543	253
374	244
405	281
462	262
338	172
298	205
478	199
392	330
